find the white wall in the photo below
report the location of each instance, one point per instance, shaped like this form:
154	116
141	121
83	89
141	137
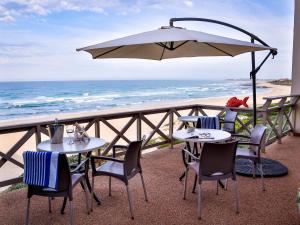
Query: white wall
296	63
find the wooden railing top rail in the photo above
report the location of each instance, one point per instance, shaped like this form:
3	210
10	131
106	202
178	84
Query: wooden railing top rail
280	96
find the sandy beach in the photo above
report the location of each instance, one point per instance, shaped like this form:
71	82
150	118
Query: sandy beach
9	170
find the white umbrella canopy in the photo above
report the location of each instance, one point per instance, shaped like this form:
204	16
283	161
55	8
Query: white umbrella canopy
171	42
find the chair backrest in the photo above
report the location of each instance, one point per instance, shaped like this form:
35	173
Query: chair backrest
144	138
208	122
218	159
257	137
63	175
230	116
132	157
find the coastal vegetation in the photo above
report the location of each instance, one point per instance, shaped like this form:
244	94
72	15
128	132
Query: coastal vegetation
285	81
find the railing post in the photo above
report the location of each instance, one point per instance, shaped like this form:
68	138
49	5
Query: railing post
264	122
171	127
97	128
97	132
280	122
139	127
294	101
38	138
196	110
265	112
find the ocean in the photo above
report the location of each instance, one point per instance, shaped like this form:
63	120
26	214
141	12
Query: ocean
24	99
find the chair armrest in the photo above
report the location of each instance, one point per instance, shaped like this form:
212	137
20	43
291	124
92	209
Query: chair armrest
240	135
190	154
223	121
106	158
121	147
93	158
84	162
248	143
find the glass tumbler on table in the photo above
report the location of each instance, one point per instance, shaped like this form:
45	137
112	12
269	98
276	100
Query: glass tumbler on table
70	132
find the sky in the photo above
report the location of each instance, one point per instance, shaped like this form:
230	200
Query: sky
38	38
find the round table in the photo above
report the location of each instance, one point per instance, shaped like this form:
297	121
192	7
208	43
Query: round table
75	148
78	147
189	134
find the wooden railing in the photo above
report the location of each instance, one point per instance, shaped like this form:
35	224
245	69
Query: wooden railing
157	123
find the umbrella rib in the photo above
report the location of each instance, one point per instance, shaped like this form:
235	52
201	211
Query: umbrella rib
218	49
161	44
181	44
108	52
163	51
171	48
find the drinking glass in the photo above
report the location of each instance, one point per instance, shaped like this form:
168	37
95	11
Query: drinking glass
70	132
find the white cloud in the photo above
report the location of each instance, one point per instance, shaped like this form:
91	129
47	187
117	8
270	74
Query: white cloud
19	8
37	9
5	15
188	3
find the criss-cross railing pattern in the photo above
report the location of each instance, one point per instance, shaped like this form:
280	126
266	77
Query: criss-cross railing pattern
157	124
278	116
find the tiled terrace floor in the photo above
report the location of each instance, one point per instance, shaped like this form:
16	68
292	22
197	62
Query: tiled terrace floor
162	169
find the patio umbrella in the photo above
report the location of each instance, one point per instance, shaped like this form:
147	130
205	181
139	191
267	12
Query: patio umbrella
171	42
176	42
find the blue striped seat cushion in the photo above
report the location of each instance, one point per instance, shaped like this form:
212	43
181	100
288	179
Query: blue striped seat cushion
40	169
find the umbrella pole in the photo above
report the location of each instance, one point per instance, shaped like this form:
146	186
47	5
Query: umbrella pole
253	76
254	99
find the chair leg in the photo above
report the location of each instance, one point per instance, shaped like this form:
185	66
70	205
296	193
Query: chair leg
27	212
82	186
87	198
62	211
195	149
185	183
237	201
226	184
71	212
217	187
144	187
92	192
49	203
253	169
199	209
129	201
262	176
195	183
109	186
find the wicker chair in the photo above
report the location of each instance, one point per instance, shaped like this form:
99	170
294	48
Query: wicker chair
217	162
253	153
228	124
66	183
123	170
